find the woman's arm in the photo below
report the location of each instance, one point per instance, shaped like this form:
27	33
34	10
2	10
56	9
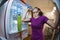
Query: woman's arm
50	23
26	19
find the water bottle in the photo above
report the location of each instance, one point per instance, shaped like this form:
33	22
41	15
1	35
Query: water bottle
19	20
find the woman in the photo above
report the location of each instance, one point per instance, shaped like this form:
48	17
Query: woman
37	23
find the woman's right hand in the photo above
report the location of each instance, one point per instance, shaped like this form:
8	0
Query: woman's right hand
24	17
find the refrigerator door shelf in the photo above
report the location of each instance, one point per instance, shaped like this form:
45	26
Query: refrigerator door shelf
13	31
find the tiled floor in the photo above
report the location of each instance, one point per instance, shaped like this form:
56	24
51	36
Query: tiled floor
46	38
28	38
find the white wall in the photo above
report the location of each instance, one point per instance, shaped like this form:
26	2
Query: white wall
57	3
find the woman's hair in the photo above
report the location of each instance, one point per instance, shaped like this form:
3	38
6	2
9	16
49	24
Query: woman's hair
40	12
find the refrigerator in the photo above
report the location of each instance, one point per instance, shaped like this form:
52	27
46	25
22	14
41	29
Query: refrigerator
10	14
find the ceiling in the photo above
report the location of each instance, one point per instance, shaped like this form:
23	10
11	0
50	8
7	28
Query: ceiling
44	5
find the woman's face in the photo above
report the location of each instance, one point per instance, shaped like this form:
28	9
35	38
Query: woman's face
35	12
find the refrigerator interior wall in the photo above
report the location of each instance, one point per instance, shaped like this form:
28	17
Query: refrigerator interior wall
17	8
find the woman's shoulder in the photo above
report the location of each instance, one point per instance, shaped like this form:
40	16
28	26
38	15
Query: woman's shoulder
44	17
31	18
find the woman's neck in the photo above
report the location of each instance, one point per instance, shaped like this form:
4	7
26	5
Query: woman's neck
36	16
